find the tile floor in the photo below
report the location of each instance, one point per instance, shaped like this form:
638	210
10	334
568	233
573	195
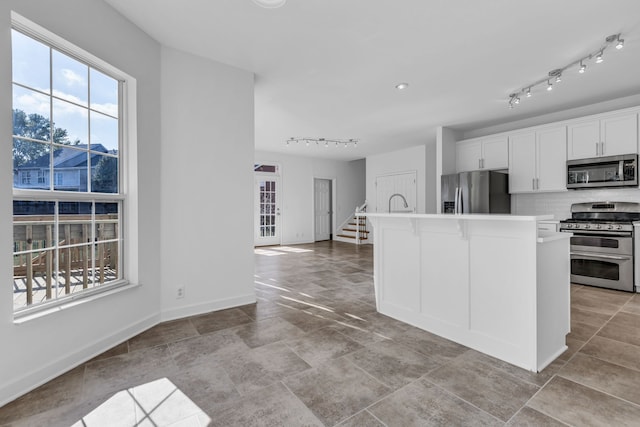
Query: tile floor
313	351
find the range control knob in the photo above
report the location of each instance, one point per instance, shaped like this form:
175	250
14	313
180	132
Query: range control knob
587	226
598	226
619	227
610	227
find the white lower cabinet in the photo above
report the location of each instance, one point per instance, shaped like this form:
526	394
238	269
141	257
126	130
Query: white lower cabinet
537	160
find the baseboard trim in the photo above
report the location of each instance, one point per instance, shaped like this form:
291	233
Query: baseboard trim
201	308
35	379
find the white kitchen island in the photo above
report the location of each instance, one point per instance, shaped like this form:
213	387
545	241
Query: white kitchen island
489	282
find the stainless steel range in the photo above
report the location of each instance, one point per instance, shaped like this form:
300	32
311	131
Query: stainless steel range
602	243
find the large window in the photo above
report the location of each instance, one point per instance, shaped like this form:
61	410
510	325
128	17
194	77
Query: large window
68	200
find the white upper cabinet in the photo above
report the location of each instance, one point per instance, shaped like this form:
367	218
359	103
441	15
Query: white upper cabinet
551	159
608	136
468	155
486	153
537	160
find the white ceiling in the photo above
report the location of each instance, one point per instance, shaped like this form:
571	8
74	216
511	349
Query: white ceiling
327	68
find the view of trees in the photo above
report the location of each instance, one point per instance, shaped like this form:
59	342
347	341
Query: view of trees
33	126
104	178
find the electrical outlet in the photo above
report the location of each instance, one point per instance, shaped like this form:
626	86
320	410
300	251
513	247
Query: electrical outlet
180	292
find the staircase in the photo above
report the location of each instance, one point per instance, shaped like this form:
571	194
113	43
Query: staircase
354	230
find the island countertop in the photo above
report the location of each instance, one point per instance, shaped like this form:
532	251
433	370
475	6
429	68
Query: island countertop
481	217
489	282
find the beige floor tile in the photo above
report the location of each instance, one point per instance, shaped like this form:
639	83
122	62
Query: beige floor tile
422	403
61	391
604	376
322	345
613	351
486	387
162	334
219	320
528	417
267	331
624	327
361	419
336	390
578	405
263	366
273	406
392	364
211	348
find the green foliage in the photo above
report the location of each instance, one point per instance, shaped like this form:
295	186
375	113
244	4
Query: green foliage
34	126
105	177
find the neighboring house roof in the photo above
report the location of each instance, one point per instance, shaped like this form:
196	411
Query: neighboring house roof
66	158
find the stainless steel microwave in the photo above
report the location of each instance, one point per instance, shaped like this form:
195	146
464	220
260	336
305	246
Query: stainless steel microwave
598	172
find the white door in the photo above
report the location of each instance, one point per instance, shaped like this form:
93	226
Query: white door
267	211
403	184
322	208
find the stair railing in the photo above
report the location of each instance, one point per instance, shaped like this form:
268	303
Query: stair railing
360	227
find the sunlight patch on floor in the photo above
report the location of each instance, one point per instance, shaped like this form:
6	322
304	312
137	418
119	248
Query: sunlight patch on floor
309	304
155	403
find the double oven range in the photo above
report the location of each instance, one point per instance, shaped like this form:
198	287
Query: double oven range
602	245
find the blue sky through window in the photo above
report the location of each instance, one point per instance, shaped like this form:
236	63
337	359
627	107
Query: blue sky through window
77	86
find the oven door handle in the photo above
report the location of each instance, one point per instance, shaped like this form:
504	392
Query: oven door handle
600	233
592	255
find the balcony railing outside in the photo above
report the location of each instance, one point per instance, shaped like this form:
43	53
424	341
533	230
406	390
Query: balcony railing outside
85	257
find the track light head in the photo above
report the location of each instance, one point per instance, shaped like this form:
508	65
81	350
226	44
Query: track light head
549	85
620	43
599	57
583	68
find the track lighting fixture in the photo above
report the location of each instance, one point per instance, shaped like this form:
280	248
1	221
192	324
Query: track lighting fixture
556	74
322	142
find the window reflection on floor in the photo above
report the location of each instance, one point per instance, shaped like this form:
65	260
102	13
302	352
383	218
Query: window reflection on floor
155	403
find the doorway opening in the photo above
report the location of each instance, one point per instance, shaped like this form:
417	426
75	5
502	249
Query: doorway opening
323	209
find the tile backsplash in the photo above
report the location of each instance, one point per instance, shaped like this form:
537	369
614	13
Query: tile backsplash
559	204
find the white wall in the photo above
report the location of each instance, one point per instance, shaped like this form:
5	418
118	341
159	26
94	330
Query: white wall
43	348
297	174
207	185
409	159
195	183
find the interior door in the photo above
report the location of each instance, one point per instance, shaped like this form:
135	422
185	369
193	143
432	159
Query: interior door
403	184
267	211
322	209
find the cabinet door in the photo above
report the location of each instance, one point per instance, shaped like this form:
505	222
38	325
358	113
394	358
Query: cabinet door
522	162
551	147
584	140
468	154
619	134
495	152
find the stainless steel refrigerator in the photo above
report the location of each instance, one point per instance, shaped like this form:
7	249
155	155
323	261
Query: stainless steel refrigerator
476	192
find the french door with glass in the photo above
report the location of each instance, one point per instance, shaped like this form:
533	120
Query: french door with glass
267	211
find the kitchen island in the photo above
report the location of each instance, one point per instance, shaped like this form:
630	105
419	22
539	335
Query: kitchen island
489	282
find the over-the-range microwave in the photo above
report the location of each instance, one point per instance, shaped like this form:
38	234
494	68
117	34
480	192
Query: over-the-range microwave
598	172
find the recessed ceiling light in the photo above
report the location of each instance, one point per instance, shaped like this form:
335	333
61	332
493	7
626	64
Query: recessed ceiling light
401	86
270	4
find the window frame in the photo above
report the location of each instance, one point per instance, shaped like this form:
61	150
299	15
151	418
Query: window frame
127	196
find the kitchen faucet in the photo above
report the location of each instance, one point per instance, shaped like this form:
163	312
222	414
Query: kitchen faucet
401	196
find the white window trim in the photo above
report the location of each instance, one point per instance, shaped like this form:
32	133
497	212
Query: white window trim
127	174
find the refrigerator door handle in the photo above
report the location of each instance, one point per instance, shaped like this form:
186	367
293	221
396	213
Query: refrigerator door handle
459	201
455	201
